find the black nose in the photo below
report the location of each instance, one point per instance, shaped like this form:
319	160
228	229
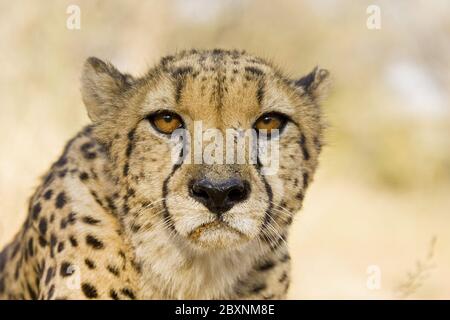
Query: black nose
219	196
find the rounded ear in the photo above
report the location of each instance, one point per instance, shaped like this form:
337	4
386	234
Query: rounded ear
315	83
101	86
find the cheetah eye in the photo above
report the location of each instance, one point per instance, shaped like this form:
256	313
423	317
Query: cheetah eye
165	122
270	121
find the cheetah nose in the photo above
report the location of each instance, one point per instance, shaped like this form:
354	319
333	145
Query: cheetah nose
219	196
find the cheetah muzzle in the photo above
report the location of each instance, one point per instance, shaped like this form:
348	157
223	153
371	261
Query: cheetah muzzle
129	212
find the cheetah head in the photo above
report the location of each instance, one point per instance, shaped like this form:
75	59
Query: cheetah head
155	129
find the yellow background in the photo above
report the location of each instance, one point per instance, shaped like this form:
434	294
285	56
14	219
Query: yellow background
381	194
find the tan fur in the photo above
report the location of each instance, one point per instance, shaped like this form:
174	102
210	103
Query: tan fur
127	227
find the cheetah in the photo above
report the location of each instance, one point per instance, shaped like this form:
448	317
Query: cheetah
116	218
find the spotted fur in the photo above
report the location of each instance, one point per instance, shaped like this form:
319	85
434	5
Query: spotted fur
112	219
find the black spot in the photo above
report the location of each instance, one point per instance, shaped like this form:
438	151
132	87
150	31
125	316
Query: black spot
113	294
218	52
258	288
73	241
43	226
2	260
84	176
51	292
32	293
130	143
60	200
90	220
30	247
89	290
125	208
181	72
283	277
50	275
135	227
285	258
88	130
87	152
53	241
318	144
130	192
94	242
42	241
280	240
63	224
166	60
266	266
36	210
129	293
302	143
254	71
72	218
60	246
62	173
305	180
137	266
113	270
66	269
2	285
110	204
289	220
89	263
126	168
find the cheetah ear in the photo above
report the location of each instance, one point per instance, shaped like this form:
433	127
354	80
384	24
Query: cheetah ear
315	83
101	86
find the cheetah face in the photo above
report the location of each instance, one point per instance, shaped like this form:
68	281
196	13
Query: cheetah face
163	132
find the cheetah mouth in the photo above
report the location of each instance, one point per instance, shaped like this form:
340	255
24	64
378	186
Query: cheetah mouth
215	227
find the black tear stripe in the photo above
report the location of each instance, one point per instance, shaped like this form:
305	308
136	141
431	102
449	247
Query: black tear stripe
165	191
269	210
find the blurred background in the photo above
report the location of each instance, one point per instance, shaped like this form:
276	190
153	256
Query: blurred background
376	221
